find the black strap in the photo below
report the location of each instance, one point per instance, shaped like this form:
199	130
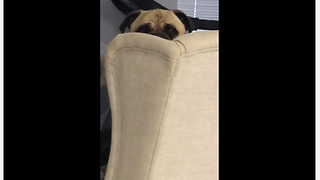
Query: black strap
125	6
148	4
206	24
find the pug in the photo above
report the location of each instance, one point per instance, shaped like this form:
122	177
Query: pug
167	24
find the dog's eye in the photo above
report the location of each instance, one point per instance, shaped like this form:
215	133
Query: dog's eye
170	28
171	31
145	28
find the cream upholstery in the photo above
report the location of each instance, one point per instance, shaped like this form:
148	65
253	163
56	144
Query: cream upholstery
164	104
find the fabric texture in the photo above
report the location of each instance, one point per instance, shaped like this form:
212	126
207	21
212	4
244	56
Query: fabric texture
164	103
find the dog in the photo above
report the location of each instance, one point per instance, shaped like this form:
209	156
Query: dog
167	24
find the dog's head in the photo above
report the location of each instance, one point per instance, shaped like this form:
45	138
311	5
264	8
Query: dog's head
167	24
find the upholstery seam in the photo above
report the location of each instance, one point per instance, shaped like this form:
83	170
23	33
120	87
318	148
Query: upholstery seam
195	51
111	63
199	52
179	43
163	114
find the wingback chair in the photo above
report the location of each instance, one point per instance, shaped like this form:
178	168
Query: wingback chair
164	103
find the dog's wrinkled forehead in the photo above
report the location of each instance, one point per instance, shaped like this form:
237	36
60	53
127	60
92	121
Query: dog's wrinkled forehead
172	22
157	20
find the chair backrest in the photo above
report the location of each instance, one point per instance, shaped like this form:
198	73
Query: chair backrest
164	104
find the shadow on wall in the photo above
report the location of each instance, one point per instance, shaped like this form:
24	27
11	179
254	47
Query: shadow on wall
110	19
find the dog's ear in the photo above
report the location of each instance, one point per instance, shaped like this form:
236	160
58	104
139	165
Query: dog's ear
129	20
188	24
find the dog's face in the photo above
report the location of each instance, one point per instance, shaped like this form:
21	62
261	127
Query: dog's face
167	24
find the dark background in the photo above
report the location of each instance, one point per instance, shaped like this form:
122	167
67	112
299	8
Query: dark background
52	99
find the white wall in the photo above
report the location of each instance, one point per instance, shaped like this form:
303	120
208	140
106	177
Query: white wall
170	4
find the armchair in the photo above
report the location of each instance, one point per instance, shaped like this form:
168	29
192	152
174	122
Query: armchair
164	103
